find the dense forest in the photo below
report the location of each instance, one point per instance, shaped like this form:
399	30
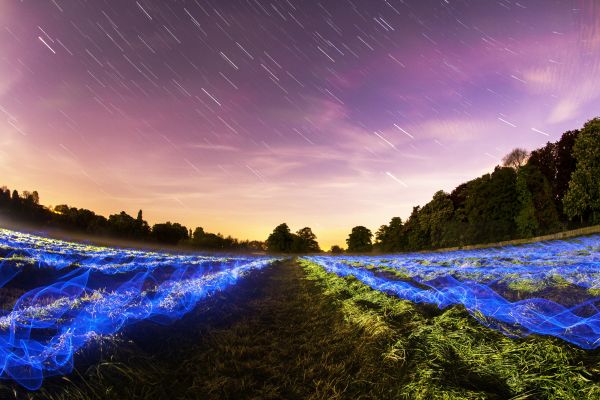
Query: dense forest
553	188
25	208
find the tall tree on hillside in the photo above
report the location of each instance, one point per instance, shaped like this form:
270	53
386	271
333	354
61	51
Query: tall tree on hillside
396	239
583	197
281	240
359	240
516	158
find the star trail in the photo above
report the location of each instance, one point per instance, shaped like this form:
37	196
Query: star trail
237	115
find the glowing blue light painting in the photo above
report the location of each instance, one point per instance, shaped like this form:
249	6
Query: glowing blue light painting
85	292
476	279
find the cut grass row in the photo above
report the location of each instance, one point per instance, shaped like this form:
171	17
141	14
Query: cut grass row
447	354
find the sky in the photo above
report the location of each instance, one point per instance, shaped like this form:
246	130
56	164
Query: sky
238	115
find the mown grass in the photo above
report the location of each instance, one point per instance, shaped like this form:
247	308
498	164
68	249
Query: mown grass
449	355
293	331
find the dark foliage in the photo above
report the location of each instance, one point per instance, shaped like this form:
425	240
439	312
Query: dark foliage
555	188
556	162
282	240
335	249
25	208
359	240
169	233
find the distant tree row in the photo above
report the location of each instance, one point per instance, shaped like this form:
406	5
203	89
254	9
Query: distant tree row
554	188
25	207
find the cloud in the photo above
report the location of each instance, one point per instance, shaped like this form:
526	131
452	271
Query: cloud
451	129
569	106
212	147
565	110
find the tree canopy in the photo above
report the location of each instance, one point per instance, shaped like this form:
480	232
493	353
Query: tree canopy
282	240
359	240
25	207
522	198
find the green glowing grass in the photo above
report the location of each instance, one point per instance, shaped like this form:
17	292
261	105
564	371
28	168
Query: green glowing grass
449	355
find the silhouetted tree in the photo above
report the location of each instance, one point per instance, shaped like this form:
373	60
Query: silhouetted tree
31	197
281	240
142	229
4	196
391	237
122	225
416	237
359	240
253	245
206	240
335	249
169	233
307	241
516	158
26	207
435	216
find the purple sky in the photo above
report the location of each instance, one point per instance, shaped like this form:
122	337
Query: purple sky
237	115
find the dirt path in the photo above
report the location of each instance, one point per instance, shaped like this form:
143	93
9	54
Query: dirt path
293	343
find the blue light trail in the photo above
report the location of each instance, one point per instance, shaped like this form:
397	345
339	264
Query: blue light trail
566	271
84	292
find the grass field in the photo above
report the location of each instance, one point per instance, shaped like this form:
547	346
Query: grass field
294	331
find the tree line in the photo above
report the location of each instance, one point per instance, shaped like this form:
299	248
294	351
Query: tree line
26	207
553	188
